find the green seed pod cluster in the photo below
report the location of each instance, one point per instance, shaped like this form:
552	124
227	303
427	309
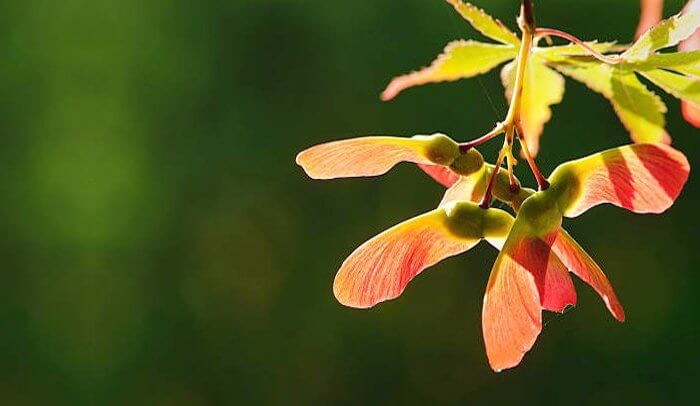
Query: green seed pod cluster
467	163
439	148
469	221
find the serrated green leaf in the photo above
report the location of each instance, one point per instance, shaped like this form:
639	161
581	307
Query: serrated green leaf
543	87
595	75
683	62
640	110
560	52
680	86
484	23
665	34
461	59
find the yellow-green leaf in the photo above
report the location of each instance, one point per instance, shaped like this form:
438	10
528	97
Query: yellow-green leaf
682	87
640	110
543	87
561	52
595	75
683	62
461	59
665	34
484	23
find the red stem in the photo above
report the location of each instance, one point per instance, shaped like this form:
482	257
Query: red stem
486	201
542	182
561	34
528	15
466	146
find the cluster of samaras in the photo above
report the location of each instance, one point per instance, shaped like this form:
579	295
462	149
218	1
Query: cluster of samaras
531	272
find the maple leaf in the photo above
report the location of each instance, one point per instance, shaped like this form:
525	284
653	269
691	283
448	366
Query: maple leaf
460	60
464	59
640	110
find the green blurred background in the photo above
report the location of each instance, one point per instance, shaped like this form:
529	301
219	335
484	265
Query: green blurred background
160	246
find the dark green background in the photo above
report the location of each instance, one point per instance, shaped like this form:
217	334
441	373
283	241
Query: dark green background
160	246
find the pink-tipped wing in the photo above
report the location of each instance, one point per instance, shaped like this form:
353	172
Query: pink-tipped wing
526	277
467	189
583	266
511	316
365	156
442	174
643	178
554	284
380	269
557	292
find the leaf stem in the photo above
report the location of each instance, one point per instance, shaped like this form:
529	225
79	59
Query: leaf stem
612	60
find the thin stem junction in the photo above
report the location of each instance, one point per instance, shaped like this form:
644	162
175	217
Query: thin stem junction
511	124
466	146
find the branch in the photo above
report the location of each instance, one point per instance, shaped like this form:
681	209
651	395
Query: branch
527	15
466	146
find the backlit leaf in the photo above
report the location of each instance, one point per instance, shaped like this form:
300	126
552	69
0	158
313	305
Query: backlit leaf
561	52
596	76
665	34
640	110
484	23
460	60
543	87
682	87
683	62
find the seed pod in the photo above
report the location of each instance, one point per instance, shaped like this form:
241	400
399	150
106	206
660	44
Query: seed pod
469	221
439	148
467	163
